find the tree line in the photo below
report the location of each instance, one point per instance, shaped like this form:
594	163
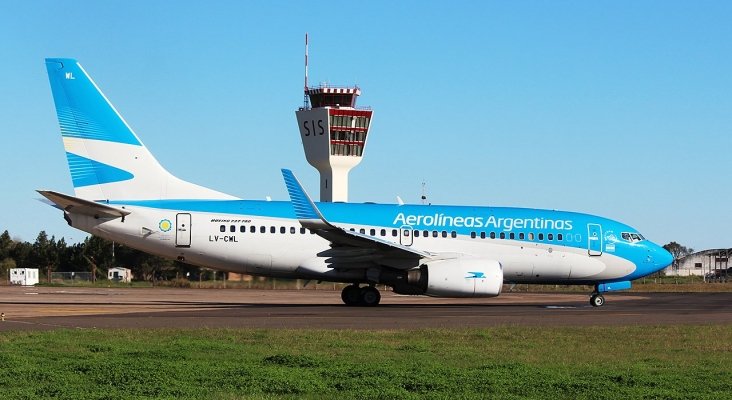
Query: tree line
95	255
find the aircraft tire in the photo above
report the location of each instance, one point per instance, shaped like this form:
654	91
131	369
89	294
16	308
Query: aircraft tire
351	295
370	296
597	300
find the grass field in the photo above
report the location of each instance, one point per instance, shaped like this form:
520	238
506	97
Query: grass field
665	362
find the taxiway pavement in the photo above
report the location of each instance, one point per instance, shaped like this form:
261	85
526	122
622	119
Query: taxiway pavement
42	308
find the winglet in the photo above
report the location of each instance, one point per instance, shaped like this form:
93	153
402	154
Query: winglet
305	210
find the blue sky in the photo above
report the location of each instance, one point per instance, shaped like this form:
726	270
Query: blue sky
621	109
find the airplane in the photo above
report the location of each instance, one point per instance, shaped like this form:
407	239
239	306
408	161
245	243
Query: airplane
122	193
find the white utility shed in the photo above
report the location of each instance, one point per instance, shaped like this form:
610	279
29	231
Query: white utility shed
24	276
119	274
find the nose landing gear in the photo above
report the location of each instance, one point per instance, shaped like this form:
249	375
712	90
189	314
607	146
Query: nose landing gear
367	296
597	299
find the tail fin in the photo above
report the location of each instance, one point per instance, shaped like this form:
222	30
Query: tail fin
106	159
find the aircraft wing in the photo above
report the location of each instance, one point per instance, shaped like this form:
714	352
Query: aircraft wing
82	206
349	249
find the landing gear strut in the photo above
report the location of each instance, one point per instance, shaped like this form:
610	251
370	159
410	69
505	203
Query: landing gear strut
597	299
353	295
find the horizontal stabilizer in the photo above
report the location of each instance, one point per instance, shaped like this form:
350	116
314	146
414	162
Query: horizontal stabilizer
76	205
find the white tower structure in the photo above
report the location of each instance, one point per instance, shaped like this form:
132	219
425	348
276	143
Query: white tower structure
333	133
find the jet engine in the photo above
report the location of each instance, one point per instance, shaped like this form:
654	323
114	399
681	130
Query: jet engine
461	277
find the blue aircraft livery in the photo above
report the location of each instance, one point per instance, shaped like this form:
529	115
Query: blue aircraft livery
122	193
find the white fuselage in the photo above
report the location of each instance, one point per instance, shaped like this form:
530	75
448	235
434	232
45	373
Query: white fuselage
280	247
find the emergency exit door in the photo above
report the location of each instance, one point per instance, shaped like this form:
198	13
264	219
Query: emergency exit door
183	230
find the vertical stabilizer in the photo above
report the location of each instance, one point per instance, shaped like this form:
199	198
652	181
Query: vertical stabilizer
106	159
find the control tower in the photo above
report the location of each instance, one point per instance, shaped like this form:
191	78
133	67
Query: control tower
333	133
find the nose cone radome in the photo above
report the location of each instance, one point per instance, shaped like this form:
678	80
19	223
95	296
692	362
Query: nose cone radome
662	257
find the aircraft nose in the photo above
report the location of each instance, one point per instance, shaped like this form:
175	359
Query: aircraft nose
662	257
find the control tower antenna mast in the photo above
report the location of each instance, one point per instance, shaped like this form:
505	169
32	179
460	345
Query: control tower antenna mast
306	101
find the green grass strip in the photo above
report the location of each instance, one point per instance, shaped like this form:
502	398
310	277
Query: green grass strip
664	362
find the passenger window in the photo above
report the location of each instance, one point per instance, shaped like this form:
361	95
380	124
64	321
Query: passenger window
453	234
493	235
434	234
531	235
252	229
416	233
262	229
394	232
511	235
541	236
272	229
222	228
559	236
426	234
472	235
444	234
282	229
292	230
373	232
503	235
405	232
362	231
232	228
521	236
243	229
550	236
482	235
302	231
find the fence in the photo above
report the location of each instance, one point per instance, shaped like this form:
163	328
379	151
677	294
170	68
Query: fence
70	277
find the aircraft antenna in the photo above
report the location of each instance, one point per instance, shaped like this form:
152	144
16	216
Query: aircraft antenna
424	192
306	99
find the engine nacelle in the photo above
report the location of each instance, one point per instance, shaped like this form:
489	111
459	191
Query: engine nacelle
462	277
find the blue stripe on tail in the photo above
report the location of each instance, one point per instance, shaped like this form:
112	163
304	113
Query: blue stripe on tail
86	172
82	110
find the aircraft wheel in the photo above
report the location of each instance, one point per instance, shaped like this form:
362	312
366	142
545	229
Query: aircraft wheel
351	295
370	296
597	300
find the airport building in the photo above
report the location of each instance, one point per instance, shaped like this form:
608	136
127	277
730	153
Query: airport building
334	133
24	276
702	263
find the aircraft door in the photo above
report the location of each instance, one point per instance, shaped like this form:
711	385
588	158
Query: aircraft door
594	239
183	230
406	235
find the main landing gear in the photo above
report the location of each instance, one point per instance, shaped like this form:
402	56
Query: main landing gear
367	296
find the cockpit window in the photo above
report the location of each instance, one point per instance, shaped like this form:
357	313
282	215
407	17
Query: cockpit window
632	237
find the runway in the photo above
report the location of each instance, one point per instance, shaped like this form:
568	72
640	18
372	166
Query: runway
43	308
